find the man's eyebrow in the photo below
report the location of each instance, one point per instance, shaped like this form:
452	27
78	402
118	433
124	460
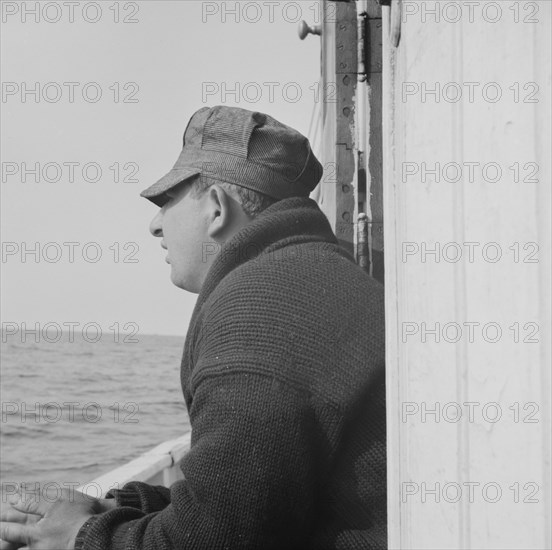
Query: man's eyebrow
175	189
172	191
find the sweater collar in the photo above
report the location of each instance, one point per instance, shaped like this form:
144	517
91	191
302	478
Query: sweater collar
296	219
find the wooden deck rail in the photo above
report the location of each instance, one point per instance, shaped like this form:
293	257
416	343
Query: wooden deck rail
159	466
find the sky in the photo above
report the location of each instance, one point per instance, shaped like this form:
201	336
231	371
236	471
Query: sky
95	99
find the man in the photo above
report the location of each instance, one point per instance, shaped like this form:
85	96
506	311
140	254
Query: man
282	372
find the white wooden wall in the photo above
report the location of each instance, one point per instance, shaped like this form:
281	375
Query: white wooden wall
426	452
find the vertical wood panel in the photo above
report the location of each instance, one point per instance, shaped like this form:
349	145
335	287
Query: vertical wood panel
430	211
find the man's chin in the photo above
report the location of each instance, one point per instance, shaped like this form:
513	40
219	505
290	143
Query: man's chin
183	283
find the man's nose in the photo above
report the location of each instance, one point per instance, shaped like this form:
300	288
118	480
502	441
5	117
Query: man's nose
156	225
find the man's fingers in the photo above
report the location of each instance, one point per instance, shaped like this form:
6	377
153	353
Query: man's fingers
30	504
13	515
14	533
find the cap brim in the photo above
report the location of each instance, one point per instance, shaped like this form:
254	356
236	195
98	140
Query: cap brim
156	192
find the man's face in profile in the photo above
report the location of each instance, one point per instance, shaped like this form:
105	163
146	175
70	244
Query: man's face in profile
182	225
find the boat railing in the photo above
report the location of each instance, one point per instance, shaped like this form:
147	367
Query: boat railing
158	466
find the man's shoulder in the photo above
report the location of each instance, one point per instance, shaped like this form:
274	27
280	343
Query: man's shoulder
305	278
295	320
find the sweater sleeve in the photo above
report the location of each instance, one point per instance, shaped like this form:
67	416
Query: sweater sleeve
147	498
249	475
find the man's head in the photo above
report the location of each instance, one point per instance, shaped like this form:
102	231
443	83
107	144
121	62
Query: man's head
234	163
197	217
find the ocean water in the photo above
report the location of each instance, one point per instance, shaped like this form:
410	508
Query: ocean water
72	411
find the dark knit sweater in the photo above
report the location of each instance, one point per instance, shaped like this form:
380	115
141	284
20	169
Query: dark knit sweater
283	377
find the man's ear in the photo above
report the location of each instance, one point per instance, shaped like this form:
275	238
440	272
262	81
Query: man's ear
220	211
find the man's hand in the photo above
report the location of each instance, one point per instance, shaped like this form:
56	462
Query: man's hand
14	516
34	522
